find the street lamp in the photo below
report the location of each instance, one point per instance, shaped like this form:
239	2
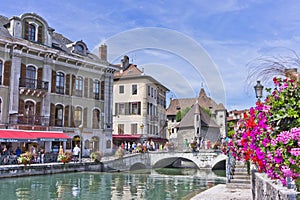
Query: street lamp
80	128
258	90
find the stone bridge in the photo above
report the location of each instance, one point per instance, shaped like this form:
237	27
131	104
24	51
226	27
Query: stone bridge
208	159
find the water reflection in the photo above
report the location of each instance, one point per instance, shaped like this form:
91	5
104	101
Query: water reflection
154	184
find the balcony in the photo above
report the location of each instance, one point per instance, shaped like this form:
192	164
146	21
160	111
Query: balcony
33	87
29	120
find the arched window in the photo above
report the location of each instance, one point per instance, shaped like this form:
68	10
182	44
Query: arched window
96	118
78	116
29	113
31	32
60	83
30	77
79	86
59	115
96	89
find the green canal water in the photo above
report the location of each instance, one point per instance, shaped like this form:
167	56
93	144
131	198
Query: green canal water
154	184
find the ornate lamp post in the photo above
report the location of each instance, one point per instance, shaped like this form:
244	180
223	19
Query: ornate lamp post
258	90
80	128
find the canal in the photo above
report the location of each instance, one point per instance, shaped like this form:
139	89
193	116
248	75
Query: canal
156	184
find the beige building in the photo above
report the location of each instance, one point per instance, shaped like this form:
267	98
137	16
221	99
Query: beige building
50	83
139	106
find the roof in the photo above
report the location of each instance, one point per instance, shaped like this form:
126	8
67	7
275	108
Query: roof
203	100
188	120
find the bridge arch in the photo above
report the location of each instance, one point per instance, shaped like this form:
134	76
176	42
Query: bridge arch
137	166
219	162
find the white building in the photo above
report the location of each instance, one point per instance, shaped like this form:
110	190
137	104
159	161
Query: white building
139	106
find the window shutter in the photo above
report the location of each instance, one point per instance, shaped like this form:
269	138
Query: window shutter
102	90
53	82
7	66
91	89
86	87
127	112
52	114
85	112
66	122
23	75
72	116
40	78
73	85
116	109
26	30
68	84
21	106
38	113
40	34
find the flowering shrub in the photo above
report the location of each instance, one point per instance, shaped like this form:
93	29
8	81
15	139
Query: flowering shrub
65	157
25	158
96	156
269	135
120	153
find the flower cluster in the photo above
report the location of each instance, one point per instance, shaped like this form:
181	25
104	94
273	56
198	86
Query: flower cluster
96	156
65	157
25	158
269	135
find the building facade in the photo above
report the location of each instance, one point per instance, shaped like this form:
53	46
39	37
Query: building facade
139	106
204	120
50	83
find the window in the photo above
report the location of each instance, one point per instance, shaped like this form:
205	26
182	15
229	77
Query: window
59	115
148	89
78	116
135	108
134	89
29	112
96	118
96	89
79	86
134	128
31	32
121	89
60	81
30	77
120	129
1	69
79	48
121	109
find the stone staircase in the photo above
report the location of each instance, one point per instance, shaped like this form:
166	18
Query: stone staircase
239	177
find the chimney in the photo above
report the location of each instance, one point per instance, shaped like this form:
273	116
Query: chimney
103	52
125	62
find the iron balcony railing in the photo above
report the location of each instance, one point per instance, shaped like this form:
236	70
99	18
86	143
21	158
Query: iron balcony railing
33	84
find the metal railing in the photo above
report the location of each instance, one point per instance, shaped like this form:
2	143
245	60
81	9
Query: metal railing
33	84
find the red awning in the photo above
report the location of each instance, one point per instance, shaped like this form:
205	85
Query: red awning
8	135
159	140
126	136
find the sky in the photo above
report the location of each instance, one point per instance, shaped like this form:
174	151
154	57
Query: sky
185	45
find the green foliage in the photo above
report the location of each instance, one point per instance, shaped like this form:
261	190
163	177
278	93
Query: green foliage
181	113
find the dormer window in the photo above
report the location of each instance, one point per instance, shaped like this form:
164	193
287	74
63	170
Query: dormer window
79	48
31	32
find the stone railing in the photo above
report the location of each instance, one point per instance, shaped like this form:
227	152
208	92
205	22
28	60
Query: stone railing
263	188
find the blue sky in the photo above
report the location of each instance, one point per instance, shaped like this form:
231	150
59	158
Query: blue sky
183	44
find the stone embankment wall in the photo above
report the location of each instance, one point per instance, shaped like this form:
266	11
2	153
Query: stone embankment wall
43	169
264	188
